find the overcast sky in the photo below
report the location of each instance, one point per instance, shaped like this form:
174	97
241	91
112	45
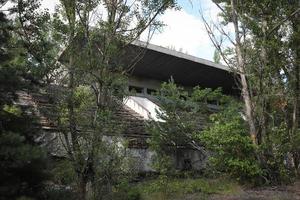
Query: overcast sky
184	28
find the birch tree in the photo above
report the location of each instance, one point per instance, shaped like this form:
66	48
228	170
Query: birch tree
265	63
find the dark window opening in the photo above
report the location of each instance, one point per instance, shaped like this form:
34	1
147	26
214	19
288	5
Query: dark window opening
183	97
151	91
187	164
213	102
134	89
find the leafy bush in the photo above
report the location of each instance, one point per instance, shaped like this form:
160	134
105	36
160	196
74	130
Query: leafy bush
125	191
228	139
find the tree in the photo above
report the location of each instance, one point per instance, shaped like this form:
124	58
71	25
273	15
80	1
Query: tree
263	61
93	82
23	162
230	14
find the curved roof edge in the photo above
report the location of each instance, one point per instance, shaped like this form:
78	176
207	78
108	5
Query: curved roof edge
178	54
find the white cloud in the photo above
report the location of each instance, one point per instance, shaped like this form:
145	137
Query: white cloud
182	31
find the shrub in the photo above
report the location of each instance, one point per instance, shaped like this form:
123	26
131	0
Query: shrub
178	188
57	193
228	139
125	191
276	155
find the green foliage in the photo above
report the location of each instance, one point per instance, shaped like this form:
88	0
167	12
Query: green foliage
183	115
126	191
276	155
112	167
180	188
175	128
22	165
100	155
217	56
13	109
63	173
228	140
270	52
96	85
23	161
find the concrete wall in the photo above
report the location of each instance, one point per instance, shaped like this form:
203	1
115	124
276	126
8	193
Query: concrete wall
189	159
142	159
184	159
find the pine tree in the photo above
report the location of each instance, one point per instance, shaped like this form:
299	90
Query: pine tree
22	160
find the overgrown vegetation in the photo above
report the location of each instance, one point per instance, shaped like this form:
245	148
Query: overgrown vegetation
177	188
266	60
219	133
86	85
182	117
256	142
216	131
231	148
95	86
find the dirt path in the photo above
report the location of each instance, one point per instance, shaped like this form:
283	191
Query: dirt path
291	192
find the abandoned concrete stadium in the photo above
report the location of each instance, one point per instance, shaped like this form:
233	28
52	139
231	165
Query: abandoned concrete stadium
157	65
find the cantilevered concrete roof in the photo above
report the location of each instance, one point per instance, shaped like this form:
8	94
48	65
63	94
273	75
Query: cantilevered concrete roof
161	63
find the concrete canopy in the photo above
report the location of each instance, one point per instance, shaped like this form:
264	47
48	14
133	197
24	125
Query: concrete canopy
160	63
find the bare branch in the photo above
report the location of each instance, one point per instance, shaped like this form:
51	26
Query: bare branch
221	30
149	22
214	40
219	6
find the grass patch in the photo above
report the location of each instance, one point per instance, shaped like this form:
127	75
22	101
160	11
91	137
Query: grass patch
200	188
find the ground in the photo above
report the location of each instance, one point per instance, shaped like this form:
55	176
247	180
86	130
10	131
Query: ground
214	189
291	192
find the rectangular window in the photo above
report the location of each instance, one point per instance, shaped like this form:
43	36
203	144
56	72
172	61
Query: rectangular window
135	89
151	91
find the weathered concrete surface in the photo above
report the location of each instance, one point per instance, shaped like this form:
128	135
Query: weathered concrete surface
134	132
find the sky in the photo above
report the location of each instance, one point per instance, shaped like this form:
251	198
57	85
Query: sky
184	30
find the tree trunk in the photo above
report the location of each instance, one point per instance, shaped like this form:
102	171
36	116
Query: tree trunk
296	100
241	69
296	81
82	183
263	93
